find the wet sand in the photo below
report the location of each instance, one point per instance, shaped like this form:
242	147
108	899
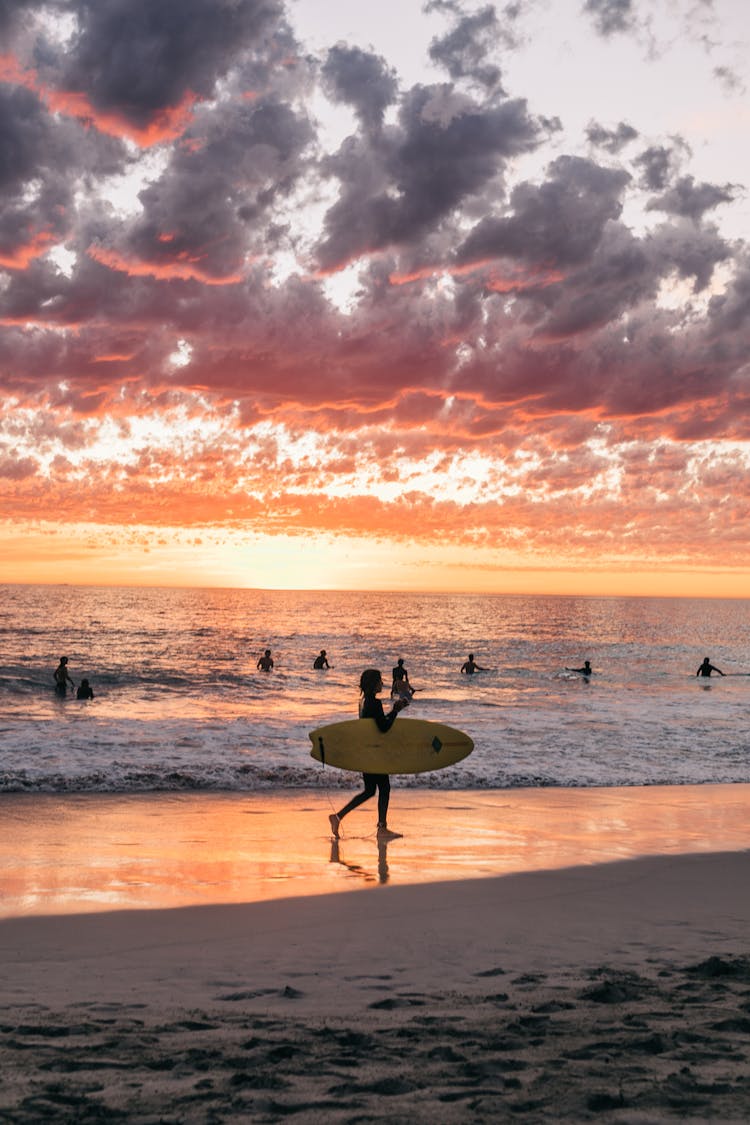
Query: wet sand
595	990
97	852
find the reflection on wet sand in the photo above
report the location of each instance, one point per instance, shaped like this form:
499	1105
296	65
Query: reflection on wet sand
62	855
357	869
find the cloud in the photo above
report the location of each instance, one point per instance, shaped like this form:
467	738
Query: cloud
135	59
402	185
690	199
362	80
611	16
464	314
558	222
611	140
465	49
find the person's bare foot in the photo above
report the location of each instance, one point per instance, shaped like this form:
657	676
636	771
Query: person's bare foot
386	834
335	821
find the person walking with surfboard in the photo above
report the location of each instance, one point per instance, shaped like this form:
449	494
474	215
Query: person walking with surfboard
370	707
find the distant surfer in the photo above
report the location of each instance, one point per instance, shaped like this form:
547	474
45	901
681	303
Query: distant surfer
62	677
321	661
85	690
707	668
265	662
470	666
370	707
585	671
400	687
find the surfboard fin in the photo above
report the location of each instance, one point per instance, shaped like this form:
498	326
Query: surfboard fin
322	750
437	745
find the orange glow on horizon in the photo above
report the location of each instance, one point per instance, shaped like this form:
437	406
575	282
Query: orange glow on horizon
83	557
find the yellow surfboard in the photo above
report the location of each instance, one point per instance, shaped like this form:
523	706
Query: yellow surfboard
410	746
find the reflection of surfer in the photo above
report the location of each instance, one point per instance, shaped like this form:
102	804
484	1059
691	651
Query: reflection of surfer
470	666
265	662
62	678
585	671
401	688
356	868
370	707
322	660
707	668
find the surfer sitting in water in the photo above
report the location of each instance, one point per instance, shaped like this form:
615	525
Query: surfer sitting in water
470	666
585	671
62	677
265	662
85	691
370	707
322	660
707	668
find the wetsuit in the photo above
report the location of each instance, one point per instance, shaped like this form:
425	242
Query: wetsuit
372	708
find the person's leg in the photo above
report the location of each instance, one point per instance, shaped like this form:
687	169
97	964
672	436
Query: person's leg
356	801
384	795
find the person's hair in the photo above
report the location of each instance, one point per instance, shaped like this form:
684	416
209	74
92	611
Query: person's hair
370	680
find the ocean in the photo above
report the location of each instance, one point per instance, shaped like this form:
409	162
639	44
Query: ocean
181	706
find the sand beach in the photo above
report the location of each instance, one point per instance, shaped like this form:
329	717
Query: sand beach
602	976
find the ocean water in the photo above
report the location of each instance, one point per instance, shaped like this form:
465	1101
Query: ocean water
180	704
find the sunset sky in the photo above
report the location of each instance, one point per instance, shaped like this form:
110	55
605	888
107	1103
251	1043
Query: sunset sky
389	295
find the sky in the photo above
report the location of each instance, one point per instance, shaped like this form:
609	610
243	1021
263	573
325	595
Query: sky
409	295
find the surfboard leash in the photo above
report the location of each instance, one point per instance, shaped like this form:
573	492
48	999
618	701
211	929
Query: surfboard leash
321	747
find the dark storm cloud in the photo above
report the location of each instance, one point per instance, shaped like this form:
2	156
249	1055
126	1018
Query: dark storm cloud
611	140
557	223
690	199
137	57
398	187
611	16
362	80
465	50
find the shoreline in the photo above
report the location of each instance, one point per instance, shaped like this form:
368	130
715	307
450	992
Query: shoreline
99	852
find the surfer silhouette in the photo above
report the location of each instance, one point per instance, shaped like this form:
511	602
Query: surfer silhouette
470	666
85	690
707	668
370	707
322	660
62	677
401	688
585	671
265	662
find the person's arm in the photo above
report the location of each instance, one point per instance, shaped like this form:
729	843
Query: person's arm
373	709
